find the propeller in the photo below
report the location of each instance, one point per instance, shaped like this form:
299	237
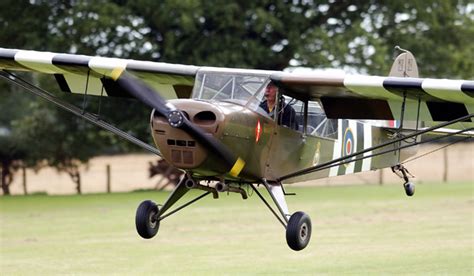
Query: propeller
176	118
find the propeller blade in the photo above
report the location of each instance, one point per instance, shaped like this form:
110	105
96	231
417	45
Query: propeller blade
175	118
141	91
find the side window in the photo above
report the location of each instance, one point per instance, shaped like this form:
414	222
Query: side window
286	110
291	113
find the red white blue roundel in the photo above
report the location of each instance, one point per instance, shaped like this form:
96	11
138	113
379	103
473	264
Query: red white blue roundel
349	143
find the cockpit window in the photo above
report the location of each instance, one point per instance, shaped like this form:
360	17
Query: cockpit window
225	86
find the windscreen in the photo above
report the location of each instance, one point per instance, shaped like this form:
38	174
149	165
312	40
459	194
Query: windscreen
236	87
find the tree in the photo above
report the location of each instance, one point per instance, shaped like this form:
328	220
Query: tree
76	143
10	157
13	102
255	34
359	35
72	141
438	32
52	137
12	151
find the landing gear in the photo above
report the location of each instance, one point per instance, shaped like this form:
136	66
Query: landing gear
298	231
146	219
402	172
297	226
149	216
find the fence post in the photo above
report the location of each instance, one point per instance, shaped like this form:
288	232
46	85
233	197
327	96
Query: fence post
445	167
380	176
108	179
23	169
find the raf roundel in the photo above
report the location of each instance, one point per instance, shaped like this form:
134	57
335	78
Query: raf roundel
349	143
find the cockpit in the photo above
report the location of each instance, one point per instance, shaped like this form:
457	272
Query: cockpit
248	89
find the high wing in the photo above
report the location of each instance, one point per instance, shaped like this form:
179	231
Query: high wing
342	95
89	75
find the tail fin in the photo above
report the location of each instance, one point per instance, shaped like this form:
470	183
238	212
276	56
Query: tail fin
404	65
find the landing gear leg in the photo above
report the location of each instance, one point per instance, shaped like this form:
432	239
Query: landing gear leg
298	225
402	172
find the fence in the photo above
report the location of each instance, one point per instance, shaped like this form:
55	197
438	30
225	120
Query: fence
130	172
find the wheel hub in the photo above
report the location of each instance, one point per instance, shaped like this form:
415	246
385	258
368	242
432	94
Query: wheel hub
304	231
152	219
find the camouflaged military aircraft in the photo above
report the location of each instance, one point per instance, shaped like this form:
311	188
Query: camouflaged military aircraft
212	123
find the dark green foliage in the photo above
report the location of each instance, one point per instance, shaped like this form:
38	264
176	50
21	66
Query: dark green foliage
278	34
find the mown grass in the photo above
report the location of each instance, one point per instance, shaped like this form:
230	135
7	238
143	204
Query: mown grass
356	230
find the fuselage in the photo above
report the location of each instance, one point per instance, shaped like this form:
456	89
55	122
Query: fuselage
269	150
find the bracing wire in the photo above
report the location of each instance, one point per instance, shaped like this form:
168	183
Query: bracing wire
435	150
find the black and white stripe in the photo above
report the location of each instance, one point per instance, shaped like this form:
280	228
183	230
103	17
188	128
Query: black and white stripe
342	96
440	99
89	75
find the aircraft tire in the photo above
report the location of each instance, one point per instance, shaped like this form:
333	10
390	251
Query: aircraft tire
298	231
146	225
409	188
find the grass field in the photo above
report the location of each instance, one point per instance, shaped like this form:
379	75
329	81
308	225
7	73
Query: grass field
356	230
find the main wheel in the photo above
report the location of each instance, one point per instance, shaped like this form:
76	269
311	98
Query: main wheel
298	231
146	220
409	188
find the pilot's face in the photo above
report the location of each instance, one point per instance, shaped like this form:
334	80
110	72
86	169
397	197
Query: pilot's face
270	92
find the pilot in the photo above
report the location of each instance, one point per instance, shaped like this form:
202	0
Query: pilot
286	114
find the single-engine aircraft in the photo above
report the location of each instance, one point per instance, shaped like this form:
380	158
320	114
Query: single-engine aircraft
209	122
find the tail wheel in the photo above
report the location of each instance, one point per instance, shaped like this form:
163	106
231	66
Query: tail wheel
409	188
146	219
298	231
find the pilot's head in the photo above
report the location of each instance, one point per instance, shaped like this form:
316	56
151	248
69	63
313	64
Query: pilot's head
270	92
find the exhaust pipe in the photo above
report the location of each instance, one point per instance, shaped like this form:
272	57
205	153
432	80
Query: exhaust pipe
222	187
191	184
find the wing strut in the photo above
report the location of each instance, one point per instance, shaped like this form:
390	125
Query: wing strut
92	118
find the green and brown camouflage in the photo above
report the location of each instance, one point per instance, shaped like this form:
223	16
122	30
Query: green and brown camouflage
279	150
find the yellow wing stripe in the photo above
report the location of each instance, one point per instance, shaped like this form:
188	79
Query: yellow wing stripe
238	166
